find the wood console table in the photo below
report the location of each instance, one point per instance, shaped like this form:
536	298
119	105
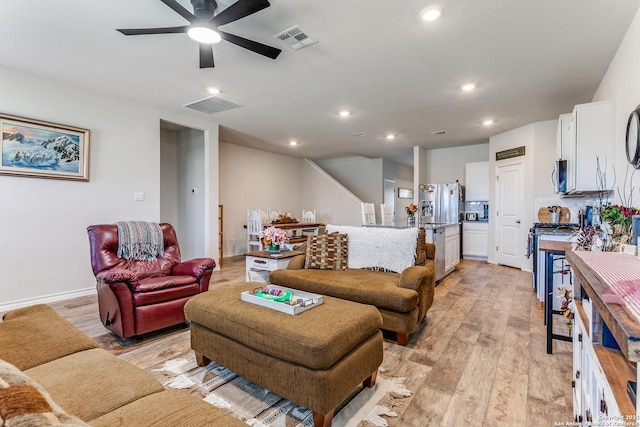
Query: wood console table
606	345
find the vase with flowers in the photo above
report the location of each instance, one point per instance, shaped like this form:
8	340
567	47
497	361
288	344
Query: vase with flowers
411	210
616	225
273	238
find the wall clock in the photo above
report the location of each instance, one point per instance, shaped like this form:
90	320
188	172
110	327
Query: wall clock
633	138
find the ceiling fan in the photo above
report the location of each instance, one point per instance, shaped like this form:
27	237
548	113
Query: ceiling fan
204	25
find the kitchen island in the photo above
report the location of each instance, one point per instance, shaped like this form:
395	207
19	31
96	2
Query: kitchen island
446	238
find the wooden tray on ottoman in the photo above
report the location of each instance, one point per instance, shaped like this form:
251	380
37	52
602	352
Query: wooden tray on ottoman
309	300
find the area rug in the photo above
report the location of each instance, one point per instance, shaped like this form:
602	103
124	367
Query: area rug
259	407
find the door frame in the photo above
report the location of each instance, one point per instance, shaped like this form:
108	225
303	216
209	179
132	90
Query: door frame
521	231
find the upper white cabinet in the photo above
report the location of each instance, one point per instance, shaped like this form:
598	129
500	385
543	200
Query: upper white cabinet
591	140
562	136
477	181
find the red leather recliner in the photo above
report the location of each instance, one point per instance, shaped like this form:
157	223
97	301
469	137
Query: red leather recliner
136	297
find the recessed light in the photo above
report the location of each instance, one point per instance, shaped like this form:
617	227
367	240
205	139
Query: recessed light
204	35
467	87
431	13
390	136
487	122
213	90
293	142
344	113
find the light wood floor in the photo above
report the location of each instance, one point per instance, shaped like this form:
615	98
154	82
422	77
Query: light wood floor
478	359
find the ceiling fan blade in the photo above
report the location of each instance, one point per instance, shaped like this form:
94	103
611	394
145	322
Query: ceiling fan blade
262	49
142	31
239	10
177	7
206	56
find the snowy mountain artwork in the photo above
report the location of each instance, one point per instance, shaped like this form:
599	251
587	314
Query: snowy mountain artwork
35	148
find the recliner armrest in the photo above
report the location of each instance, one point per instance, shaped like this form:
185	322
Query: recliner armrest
117	275
196	267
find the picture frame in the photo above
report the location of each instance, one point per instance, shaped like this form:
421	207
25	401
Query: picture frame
405	193
39	149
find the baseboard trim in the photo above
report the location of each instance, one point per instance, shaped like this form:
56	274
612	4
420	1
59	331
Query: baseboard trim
4	307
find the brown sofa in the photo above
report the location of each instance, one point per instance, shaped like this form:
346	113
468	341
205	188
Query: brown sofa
62	376
401	298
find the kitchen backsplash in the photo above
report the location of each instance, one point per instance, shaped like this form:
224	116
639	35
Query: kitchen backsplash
573	204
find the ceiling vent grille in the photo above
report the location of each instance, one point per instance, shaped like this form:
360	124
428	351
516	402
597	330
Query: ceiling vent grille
212	105
296	38
438	132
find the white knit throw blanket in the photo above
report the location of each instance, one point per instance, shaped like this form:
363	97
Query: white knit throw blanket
389	248
139	240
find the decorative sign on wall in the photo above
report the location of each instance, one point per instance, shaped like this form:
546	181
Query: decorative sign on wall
512	152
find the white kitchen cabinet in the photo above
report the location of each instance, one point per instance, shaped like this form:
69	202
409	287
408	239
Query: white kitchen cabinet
477	181
475	240
452	247
591	140
562	136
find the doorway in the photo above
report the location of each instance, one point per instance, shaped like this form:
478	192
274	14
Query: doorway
509	209
389	194
182	186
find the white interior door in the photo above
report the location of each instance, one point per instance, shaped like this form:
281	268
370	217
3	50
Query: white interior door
509	201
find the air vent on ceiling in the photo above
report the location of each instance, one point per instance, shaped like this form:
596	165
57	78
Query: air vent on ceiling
438	132
213	104
296	38
359	134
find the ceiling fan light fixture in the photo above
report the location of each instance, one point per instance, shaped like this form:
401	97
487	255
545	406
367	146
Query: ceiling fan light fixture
431	13
204	35
468	87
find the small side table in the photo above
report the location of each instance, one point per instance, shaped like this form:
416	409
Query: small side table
550	249
268	261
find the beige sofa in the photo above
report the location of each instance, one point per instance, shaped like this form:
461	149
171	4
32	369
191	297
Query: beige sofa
61	377
401	298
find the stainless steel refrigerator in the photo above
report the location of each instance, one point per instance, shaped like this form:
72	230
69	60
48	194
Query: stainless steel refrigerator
440	203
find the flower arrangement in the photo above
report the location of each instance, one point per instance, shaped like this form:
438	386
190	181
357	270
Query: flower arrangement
616	225
273	236
411	209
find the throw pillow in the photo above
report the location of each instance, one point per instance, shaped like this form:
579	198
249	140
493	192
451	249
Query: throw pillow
327	252
421	247
24	402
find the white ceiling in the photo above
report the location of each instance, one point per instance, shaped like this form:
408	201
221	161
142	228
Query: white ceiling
532	59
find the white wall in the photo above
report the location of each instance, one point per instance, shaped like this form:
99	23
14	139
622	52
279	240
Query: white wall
362	176
256	179
43	244
448	164
621	83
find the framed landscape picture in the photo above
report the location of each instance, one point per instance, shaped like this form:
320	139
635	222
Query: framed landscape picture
34	148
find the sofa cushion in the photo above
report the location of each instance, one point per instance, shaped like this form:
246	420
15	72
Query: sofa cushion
171	408
366	287
327	251
23	402
45	337
386	248
92	383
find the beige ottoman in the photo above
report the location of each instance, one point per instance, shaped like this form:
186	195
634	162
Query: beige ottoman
315	358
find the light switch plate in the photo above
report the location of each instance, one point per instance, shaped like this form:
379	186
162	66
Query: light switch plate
138	196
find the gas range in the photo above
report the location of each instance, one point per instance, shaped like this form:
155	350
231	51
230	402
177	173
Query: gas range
561	227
